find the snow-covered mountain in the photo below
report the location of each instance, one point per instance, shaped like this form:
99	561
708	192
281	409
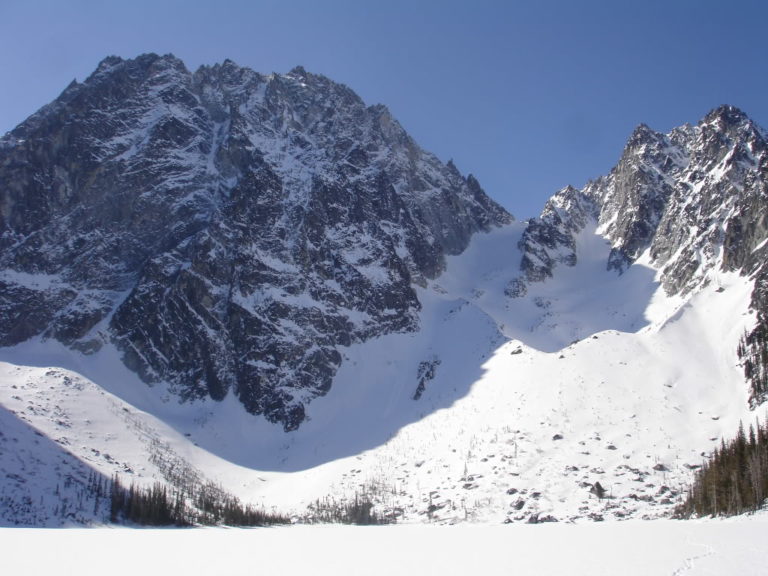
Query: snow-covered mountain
321	308
692	201
229	232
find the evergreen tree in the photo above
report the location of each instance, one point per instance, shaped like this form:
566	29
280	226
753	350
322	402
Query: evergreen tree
733	480
753	353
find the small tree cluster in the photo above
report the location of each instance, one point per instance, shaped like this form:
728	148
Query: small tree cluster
359	510
733	480
206	505
753	353
148	506
216	506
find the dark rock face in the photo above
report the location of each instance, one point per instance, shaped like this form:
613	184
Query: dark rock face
425	374
228	231
635	194
549	239
693	199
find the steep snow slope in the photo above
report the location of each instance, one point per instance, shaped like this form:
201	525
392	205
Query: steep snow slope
499	408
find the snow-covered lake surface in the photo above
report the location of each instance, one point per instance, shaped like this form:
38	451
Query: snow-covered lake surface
633	548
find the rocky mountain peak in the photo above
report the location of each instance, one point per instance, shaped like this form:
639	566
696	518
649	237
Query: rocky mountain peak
724	117
641	135
549	240
298	72
229	232
111	61
692	201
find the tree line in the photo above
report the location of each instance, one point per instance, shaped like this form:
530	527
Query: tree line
753	353
210	505
734	479
359	510
206	505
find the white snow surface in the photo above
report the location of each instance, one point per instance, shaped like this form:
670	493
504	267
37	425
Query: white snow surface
592	376
604	549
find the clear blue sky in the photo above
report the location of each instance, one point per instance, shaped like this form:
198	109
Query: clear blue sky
527	96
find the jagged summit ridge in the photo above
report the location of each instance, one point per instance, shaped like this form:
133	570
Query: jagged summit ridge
692	201
697	186
229	231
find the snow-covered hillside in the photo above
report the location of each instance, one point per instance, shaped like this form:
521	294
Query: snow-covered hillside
499	409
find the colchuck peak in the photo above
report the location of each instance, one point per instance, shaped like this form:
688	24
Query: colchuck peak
227	233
